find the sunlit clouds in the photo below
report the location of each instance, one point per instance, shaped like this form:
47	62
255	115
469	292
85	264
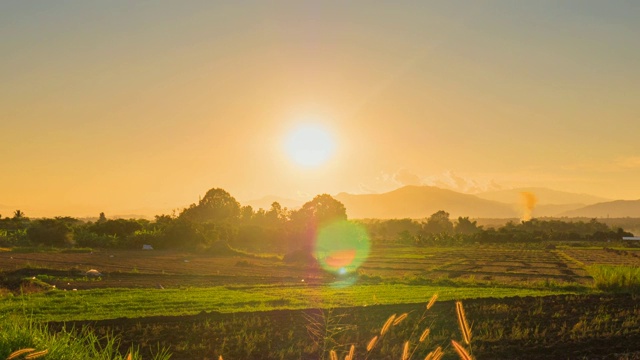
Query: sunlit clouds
447	180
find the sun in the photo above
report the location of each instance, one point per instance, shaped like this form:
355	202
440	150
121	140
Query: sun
309	145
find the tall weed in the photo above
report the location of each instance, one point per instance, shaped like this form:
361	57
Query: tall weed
613	278
17	334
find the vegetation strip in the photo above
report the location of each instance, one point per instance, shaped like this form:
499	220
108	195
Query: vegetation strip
115	303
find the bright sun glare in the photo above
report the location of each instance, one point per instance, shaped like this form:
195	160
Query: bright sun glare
309	145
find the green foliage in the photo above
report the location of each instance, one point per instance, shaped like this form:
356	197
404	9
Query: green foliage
320	211
466	226
438	223
87	238
438	230
113	303
153	237
216	205
4	238
616	278
391	230
219	218
182	233
51	232
118	227
77	250
20	333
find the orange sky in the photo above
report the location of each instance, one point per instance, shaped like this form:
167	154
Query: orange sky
141	108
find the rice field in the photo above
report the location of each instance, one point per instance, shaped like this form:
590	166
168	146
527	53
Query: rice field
551	302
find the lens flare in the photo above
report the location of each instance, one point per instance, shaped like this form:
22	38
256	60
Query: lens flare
341	247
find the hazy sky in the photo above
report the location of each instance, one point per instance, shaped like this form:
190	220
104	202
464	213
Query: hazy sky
139	107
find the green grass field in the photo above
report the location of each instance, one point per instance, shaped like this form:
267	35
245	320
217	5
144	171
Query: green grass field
115	303
506	289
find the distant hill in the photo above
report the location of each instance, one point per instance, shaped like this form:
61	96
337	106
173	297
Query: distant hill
544	196
551	210
265	202
421	202
614	209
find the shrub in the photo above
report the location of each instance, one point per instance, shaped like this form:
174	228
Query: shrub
616	278
19	334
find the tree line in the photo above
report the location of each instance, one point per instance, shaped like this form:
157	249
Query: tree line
218	222
439	229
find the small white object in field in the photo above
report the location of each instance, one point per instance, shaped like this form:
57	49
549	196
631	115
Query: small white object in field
110	256
74	290
186	261
93	272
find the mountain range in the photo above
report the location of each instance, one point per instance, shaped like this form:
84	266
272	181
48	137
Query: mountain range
614	209
422	201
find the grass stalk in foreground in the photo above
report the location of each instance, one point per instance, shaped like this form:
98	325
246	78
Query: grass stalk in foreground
23	339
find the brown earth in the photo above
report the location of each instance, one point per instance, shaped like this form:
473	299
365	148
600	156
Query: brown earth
553	327
144	269
138	268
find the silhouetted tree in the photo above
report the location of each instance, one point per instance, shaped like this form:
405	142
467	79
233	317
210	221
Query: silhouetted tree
182	233
438	223
322	210
118	227
466	226
216	205
276	214
50	232
246	214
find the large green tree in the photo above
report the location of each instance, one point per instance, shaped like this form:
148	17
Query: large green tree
323	209
51	232
320	211
216	205
438	223
466	226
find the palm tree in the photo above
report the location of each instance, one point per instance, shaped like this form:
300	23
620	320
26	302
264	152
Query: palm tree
18	215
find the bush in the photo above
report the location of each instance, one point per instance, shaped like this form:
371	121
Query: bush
89	239
616	278
20	334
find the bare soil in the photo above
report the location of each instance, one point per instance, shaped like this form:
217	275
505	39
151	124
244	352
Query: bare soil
284	334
